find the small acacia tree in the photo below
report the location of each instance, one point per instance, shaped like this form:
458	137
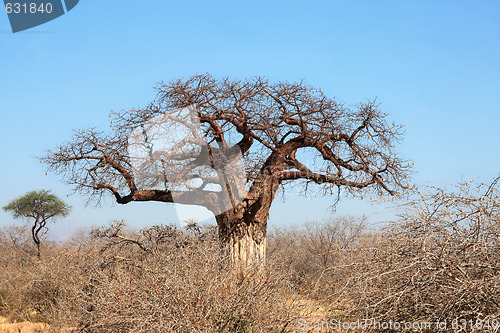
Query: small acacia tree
285	132
41	207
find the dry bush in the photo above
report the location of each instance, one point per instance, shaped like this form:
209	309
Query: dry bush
308	253
162	280
158	279
30	287
18	254
438	262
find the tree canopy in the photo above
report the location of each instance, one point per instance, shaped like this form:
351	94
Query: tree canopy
271	125
41	206
279	133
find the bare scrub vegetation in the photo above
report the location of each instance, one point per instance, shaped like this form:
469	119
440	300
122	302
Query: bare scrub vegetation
438	262
156	280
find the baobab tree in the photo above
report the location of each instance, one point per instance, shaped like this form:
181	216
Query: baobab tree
282	133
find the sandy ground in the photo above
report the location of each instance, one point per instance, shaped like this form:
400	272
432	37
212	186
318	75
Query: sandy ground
24	327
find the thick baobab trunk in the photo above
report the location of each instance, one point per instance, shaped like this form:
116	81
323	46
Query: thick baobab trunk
243	230
246	242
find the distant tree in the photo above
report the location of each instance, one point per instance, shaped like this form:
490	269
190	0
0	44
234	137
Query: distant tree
40	207
285	132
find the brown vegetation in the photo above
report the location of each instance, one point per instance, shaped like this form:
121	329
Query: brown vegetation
438	262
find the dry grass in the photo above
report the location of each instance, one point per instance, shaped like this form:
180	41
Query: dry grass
155	280
24	327
439	261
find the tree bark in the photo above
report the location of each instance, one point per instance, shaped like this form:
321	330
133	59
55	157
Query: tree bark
245	241
34	233
243	230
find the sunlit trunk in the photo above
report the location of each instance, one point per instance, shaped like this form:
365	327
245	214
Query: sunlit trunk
243	230
246	243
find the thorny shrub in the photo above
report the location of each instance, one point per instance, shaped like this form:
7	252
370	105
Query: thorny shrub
439	261
158	279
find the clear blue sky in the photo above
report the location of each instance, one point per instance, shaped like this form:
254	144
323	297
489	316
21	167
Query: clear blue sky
434	66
